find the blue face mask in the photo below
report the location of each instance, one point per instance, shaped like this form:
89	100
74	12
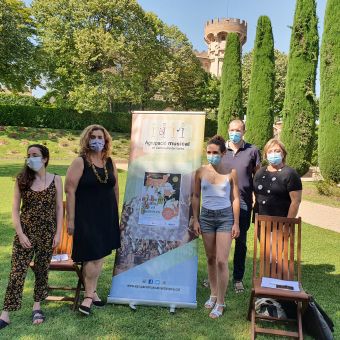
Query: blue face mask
96	144
34	163
235	136
274	158
214	159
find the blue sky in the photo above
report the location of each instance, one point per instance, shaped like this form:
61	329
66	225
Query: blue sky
190	16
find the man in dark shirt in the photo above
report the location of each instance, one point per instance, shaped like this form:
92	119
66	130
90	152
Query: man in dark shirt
245	158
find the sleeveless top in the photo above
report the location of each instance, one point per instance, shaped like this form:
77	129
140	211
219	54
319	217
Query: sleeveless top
215	196
38	208
96	225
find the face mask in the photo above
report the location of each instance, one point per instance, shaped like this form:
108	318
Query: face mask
96	144
274	158
235	136
34	163
214	159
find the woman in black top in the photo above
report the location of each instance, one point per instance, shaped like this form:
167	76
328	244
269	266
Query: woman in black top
277	187
92	208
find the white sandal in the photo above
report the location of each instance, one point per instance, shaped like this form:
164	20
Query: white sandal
209	304
216	313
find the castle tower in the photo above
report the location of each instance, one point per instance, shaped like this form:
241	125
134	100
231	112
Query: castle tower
215	35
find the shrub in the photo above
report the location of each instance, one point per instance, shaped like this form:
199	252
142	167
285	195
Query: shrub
55	118
324	188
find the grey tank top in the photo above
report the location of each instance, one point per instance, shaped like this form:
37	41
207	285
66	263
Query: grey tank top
215	196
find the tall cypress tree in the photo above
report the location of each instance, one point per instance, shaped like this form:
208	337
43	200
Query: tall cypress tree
230	106
261	90
329	129
299	110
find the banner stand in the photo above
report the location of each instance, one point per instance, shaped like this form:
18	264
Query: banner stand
157	262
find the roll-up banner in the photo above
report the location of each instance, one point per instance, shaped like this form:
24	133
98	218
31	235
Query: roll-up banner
157	261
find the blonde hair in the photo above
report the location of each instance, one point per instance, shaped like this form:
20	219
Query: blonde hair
272	142
85	138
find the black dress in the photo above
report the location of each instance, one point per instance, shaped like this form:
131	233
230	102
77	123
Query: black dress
96	225
272	190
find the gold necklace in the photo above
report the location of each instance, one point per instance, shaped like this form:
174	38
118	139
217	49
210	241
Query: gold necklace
100	180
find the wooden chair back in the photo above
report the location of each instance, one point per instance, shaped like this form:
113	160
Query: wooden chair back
277	256
66	240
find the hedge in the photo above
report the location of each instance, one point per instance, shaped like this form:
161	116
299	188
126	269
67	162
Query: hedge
56	118
14	99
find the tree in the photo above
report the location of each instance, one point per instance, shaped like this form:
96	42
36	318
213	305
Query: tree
329	128
261	92
18	52
281	62
230	106
299	110
99	51
104	52
182	80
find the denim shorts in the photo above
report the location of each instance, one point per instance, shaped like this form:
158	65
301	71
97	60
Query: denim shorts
212	221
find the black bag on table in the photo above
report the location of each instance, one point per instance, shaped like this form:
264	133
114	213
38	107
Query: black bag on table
316	322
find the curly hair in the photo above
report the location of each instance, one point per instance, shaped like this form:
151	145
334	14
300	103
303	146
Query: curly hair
26	176
85	138
219	141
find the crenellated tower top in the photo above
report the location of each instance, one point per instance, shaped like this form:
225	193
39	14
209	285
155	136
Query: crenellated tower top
215	35
218	29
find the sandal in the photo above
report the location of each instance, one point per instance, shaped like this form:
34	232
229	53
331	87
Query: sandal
216	313
238	287
211	302
84	309
38	315
98	303
3	324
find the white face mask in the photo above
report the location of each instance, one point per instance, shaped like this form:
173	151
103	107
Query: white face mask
35	163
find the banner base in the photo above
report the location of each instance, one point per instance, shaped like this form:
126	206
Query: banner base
141	302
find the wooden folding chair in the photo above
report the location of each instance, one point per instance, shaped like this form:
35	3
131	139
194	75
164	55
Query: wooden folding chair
65	247
277	236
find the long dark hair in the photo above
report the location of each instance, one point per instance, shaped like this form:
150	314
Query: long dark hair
26	176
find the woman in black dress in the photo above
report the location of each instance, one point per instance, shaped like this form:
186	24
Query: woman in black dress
277	187
92	208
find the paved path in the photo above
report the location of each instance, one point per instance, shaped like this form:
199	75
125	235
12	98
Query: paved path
320	215
316	214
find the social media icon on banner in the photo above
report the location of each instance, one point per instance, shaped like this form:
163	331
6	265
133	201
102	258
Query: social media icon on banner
151	281
157	282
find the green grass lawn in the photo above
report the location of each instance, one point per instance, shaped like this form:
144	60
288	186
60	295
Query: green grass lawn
310	193
63	144
320	270
64	147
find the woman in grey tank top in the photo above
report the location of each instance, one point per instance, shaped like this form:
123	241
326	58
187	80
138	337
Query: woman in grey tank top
218	221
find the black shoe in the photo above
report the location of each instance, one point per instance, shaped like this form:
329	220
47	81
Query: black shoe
84	309
99	303
3	324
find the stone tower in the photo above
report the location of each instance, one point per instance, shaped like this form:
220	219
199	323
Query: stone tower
215	35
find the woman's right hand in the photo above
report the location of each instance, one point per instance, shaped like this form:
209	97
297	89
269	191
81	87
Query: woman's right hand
196	228
24	241
70	229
